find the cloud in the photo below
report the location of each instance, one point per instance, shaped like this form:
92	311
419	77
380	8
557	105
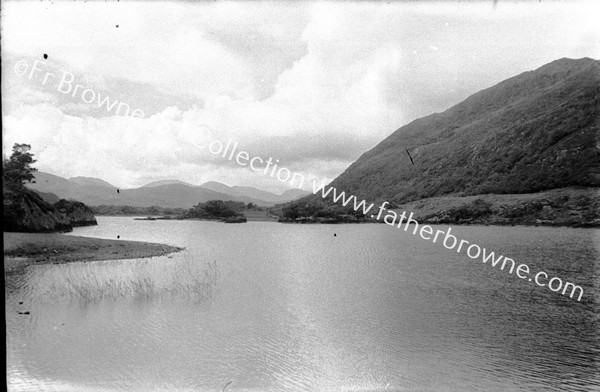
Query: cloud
311	84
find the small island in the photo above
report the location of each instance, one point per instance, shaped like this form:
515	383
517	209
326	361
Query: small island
213	210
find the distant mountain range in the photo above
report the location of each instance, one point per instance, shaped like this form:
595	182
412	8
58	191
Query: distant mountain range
166	193
166	182
537	131
530	134
90	181
255	193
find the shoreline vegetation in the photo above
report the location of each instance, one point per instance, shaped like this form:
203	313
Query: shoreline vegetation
213	210
24	249
28	211
566	207
570	207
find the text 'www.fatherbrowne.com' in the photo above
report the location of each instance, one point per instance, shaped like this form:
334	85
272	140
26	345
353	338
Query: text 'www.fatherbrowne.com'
270	168
449	241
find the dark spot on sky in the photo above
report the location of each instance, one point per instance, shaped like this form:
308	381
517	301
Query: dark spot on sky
45	56
118	236
117	26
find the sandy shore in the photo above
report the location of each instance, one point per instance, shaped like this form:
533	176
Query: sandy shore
24	249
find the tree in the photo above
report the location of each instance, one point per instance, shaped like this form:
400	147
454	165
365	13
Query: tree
219	208
17	169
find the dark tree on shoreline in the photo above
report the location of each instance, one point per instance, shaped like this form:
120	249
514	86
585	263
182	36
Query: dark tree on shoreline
17	169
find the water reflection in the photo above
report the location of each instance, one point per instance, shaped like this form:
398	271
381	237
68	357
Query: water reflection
283	307
91	282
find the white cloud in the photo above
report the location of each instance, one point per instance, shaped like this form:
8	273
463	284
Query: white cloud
311	84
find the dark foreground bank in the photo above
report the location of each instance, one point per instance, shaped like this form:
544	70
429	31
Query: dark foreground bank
24	249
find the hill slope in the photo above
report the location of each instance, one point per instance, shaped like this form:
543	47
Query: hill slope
91	181
536	131
26	211
255	193
170	194
165	182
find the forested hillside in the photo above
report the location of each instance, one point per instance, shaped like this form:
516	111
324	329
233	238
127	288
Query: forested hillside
536	131
533	133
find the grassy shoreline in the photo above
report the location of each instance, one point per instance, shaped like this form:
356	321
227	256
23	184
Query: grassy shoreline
24	249
561	207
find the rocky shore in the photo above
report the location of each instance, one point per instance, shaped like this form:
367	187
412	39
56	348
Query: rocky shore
78	213
26	211
342	218
571	207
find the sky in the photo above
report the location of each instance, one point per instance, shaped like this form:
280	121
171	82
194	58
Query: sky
311	84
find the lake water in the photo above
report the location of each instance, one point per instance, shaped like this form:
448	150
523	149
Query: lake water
280	307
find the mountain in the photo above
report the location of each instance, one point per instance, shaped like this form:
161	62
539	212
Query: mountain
293	194
289	195
218	187
173	195
167	193
49	183
165	182
255	193
534	132
91	181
